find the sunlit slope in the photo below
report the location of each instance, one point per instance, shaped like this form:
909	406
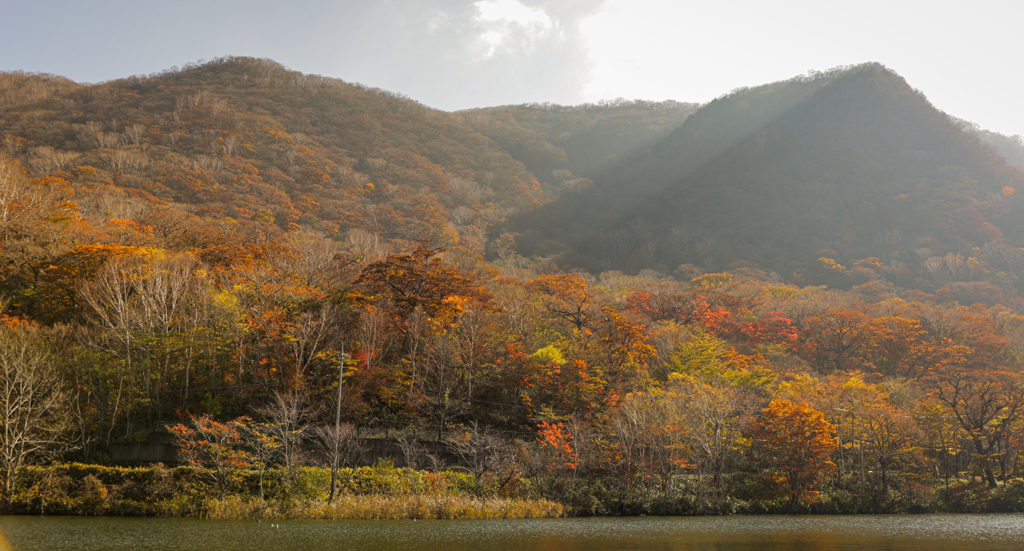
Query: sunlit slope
250	140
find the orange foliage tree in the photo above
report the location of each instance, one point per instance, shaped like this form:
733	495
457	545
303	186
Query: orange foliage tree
554	437
569	298
417	280
213	446
833	340
794	443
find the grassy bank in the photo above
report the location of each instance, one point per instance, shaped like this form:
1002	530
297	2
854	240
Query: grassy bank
379	492
386	492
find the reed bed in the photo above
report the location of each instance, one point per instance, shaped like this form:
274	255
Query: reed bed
384	507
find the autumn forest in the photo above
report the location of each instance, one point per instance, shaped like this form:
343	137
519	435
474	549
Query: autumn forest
804	296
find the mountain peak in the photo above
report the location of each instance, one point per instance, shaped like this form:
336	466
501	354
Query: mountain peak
772	174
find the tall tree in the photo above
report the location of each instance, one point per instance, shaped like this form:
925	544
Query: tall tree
419	280
986	404
33	402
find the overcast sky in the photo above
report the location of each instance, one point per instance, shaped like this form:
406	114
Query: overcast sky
454	54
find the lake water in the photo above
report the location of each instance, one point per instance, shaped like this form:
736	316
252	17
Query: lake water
810	533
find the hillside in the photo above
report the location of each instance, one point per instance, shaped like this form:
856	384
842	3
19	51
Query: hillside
847	165
248	139
803	177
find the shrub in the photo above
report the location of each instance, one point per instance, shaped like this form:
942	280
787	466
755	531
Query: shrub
1008	498
969	497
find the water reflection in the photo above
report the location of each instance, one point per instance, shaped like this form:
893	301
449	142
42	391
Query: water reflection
926	532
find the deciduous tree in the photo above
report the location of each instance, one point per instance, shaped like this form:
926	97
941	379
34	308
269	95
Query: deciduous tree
986	405
215	447
793	443
33	402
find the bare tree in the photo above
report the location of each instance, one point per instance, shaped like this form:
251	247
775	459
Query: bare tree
367	245
125	161
153	311
480	453
134	133
231	143
32	404
518	311
173	308
287	413
110	296
439	380
373	331
338	446
107	140
47	159
412	450
310	337
318	262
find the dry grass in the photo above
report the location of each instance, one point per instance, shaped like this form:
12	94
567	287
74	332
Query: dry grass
381	507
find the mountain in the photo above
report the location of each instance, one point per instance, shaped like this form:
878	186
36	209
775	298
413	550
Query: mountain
847	165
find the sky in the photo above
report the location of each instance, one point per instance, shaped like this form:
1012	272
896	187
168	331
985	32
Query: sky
457	54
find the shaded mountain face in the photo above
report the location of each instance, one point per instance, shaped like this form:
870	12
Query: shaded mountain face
846	165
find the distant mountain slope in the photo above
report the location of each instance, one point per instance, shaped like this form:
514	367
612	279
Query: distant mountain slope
848	164
584	139
1010	148
247	139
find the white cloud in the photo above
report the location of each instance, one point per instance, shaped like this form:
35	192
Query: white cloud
511	11
507	26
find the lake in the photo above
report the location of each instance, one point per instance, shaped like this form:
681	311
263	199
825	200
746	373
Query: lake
810	533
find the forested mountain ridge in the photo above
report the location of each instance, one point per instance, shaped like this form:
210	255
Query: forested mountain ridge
831	162
1010	148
